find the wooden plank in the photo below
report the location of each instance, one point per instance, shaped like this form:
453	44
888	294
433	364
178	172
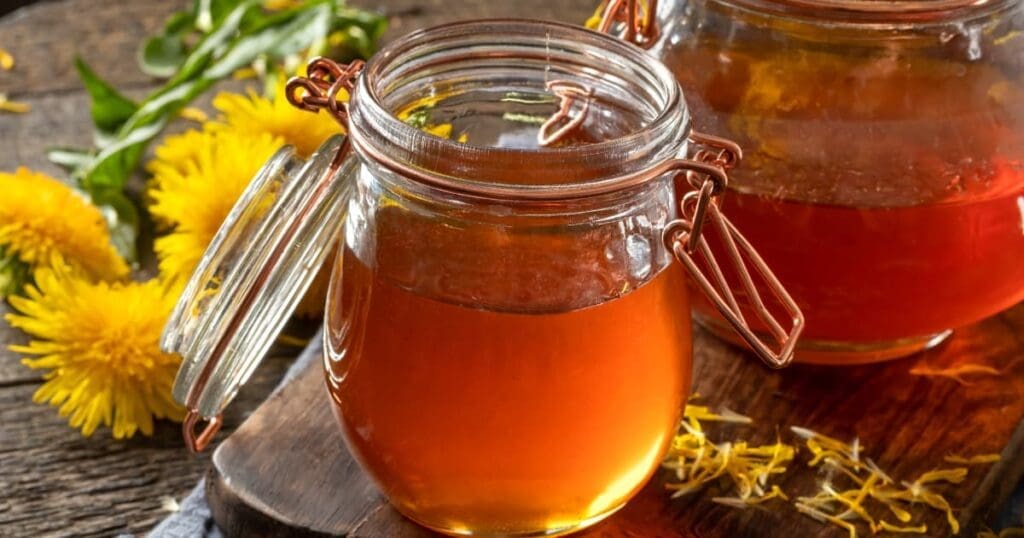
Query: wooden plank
11	370
286	469
45	37
54	481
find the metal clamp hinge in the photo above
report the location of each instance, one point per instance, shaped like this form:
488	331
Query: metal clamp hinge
707	174
636	18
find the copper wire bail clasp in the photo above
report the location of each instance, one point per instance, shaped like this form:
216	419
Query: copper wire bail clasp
636	17
321	87
707	174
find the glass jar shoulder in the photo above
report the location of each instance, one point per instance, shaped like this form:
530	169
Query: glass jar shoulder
507	256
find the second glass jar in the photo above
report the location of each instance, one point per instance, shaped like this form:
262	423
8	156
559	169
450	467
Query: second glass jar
884	171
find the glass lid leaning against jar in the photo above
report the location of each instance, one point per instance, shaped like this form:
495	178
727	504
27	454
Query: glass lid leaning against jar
507	338
884	170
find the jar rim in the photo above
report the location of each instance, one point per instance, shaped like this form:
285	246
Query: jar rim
876	11
380	135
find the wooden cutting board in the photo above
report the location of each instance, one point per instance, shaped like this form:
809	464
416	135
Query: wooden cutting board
286	470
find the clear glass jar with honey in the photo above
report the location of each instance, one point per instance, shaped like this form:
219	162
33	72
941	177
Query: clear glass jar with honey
507	335
884	171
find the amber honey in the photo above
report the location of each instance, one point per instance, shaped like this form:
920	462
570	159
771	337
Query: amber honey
495	422
883	180
876	274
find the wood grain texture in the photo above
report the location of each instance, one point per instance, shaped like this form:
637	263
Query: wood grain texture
286	470
54	482
45	38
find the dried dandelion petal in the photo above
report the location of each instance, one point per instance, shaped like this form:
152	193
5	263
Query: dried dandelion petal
980	459
827	518
14	107
698	462
953	476
889	527
698	412
917	493
6	60
842	508
245	73
194	114
741	503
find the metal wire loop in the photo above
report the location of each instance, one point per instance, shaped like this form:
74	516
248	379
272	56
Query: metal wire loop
322	87
637	18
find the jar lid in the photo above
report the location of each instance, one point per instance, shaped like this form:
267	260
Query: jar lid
252	276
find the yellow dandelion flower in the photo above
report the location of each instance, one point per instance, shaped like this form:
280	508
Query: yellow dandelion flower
100	345
195	195
43	222
253	114
177	151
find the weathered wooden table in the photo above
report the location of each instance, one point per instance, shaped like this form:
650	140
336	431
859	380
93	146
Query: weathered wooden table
52	481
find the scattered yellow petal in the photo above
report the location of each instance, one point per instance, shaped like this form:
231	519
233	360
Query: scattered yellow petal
1007	38
195	114
703	413
14	107
827	518
6	60
888	527
169	504
980	459
698	462
244	73
953	476
842	507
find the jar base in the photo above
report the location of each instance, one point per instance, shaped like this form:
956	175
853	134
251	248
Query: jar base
834	353
551	532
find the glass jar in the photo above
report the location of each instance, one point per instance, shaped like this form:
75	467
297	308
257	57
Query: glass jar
507	340
884	170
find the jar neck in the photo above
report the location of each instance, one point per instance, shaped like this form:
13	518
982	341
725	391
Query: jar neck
522	56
